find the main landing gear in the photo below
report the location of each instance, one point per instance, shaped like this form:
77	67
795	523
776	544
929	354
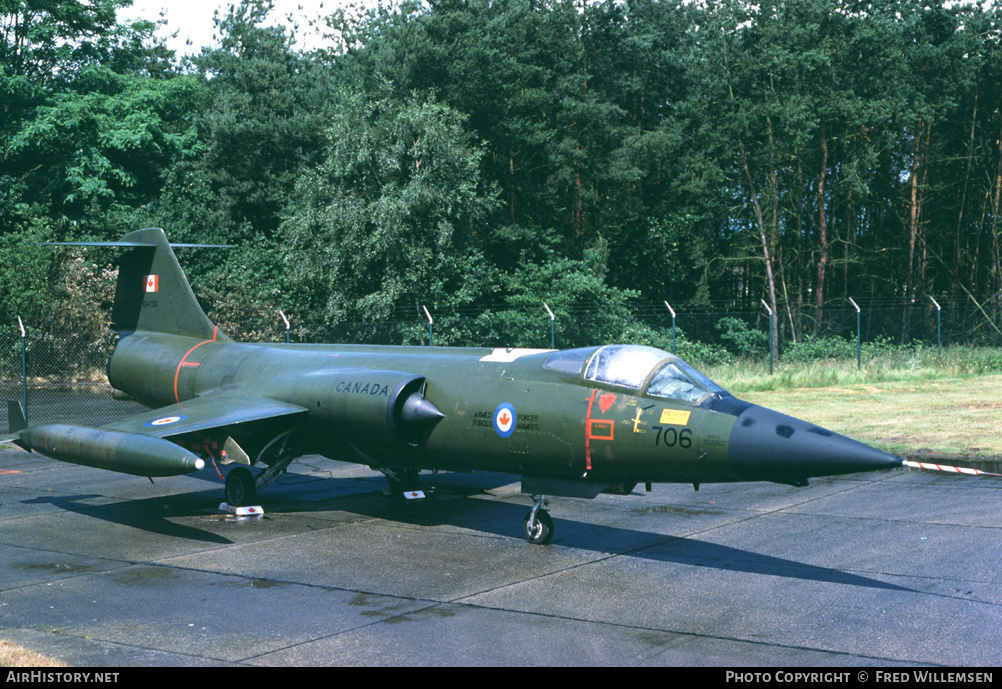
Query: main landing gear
538	523
403	483
242	486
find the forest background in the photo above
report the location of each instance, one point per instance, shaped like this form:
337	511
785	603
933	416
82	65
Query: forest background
481	158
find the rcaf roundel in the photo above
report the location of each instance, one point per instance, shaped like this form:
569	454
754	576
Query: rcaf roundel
504	420
152	283
165	421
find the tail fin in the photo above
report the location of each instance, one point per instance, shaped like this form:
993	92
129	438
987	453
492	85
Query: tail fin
152	294
16	421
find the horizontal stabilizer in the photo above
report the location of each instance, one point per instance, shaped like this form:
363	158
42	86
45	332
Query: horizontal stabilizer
134	244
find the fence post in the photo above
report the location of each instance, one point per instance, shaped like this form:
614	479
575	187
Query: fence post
673	326
859	341
24	370
429	324
770	334
286	325
551	326
939	341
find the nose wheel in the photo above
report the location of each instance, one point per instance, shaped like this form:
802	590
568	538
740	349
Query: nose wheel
538	524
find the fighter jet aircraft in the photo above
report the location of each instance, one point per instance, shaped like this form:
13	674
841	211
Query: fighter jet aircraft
575	422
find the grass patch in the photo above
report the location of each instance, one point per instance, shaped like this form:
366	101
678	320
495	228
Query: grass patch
903	401
940	415
12	655
896	365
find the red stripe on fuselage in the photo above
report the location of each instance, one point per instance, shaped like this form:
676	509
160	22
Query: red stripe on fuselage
591	401
181	363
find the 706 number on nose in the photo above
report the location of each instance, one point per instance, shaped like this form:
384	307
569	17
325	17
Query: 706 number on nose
670	437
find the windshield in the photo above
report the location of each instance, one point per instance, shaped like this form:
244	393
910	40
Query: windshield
680	381
631	365
626	365
569	360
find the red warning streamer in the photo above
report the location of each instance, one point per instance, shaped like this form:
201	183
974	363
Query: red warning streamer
945	467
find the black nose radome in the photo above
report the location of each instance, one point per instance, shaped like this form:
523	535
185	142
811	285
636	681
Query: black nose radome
765	445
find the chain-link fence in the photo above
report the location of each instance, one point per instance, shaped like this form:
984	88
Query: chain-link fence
581	324
952	323
66	379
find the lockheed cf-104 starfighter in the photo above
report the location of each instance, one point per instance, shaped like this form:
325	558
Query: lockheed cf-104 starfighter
575	422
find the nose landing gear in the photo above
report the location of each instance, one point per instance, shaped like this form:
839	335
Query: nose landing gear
538	523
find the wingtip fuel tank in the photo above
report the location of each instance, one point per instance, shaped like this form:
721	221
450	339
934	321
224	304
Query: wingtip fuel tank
128	453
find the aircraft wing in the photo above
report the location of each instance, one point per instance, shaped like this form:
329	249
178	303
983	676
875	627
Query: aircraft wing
204	413
139	445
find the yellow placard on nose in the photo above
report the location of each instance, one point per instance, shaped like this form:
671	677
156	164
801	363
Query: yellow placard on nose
676	417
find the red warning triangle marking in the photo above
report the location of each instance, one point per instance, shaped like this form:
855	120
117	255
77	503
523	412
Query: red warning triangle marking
605	401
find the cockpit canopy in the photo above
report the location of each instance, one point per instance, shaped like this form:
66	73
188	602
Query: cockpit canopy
634	366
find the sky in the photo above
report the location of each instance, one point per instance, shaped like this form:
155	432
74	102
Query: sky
192	19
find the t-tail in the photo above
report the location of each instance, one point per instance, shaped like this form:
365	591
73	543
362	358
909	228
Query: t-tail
152	294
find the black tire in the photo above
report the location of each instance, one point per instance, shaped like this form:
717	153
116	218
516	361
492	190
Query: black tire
542	532
240	488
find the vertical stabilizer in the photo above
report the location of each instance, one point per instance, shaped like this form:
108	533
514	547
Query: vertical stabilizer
152	294
16	421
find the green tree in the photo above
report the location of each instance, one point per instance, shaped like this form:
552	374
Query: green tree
90	118
86	121
48	43
261	124
97	150
393	217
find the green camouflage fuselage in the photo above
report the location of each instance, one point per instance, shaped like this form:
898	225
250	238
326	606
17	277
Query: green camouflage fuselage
564	426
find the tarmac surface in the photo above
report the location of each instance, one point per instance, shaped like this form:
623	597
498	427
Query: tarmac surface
890	568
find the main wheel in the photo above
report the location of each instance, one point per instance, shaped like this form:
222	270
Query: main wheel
541	532
240	488
403	481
